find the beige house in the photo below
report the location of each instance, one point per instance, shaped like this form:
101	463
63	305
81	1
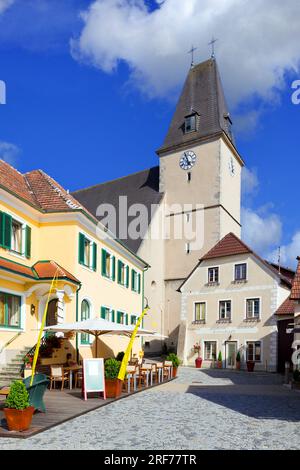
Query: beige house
227	305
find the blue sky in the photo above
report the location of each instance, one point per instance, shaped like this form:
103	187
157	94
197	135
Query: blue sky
87	108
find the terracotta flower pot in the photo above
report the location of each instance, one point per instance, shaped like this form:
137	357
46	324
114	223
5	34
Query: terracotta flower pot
174	372
238	365
219	364
113	388
198	362
250	366
18	420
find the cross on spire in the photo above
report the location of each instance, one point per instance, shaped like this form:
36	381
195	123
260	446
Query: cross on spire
212	44
193	49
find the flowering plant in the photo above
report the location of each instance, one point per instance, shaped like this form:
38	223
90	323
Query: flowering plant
28	361
197	348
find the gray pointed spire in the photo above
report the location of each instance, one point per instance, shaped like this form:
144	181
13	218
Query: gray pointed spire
202	95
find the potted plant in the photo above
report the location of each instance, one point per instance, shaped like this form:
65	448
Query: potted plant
238	360
250	366
175	361
198	360
113	385
220	360
18	412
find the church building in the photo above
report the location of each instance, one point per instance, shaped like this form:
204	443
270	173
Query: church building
198	178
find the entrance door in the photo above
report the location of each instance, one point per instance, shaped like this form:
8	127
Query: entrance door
231	351
51	318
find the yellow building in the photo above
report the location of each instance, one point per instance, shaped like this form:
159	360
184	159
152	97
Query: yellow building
43	230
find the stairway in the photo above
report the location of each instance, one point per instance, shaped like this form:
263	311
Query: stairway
11	371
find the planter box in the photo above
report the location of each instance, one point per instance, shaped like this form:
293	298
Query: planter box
175	372
250	366
198	362
18	420
113	388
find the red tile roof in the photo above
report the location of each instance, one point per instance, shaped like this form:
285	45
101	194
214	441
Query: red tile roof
38	189
39	271
295	293
286	308
229	245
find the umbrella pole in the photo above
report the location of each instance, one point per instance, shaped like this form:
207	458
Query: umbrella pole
96	345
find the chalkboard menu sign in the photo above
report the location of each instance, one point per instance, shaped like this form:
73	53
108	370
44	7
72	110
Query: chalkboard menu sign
93	376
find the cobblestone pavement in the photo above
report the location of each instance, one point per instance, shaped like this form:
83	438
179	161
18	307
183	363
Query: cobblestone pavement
199	410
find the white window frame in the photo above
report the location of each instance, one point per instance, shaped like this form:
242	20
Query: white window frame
246	308
261	349
110	310
225	319
90	339
111	255
210	341
22	326
240	280
23	223
91	242
213	267
194	310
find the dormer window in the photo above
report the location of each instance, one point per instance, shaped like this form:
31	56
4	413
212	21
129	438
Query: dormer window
190	123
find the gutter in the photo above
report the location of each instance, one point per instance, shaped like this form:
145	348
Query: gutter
77	350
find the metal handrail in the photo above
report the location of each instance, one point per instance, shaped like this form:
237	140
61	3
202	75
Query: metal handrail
10	341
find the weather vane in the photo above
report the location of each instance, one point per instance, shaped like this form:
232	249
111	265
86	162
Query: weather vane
212	44
193	49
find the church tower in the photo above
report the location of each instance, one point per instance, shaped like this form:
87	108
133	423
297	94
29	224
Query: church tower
200	176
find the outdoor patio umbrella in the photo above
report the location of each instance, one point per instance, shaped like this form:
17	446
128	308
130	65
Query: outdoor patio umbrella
97	327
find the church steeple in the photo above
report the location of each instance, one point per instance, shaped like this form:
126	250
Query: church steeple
201	111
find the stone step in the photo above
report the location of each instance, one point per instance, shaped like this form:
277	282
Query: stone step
9	370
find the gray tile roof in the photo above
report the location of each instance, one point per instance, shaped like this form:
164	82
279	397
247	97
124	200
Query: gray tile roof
141	188
202	93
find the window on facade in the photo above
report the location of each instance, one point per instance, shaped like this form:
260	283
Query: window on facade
107	314
254	351
87	252
17	236
133	319
210	350
252	308
240	272
123	274
10	310
108	265
200	311
190	123
122	318
213	275
135	281
85	315
225	310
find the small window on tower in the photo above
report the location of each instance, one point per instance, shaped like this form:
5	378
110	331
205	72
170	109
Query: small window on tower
190	123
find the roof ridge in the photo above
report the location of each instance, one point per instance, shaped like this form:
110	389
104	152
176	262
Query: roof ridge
113	180
56	187
11	166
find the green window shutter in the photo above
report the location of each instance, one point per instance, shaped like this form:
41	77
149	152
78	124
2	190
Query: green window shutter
119	314
7	231
103	262
103	311
119	271
113	268
27	241
81	248
126	319
139	284
112	315
1	229
127	276
132	279
94	256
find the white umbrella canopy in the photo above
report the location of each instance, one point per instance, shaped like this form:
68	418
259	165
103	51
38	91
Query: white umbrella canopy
98	327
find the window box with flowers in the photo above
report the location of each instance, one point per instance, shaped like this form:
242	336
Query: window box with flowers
198	360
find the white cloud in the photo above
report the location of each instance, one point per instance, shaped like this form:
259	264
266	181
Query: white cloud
4	4
289	252
9	152
250	181
258	42
261	230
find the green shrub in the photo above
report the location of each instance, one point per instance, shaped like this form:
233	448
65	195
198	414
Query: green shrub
238	357
174	358
220	356
18	396
120	356
112	367
296	375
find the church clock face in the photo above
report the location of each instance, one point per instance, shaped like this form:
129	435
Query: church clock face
188	160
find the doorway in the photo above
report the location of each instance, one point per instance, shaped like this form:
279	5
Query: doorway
231	352
51	318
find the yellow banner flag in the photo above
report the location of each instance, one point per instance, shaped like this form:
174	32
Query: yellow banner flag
122	371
